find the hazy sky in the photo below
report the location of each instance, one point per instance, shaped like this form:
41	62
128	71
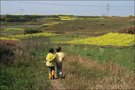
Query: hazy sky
96	8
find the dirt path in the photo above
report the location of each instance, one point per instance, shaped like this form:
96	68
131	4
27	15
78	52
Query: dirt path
56	84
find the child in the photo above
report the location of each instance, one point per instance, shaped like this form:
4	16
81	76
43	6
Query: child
51	62
59	59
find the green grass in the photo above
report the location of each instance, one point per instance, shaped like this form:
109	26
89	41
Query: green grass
92	25
22	26
120	56
67	37
7	33
87	26
30	73
22	75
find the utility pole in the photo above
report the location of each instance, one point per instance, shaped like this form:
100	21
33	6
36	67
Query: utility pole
21	10
107	10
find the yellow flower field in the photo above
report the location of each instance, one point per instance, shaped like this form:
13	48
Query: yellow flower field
51	23
68	18
3	38
32	35
113	39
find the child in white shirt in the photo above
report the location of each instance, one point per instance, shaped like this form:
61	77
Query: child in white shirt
59	59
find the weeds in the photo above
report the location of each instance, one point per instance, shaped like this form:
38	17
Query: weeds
83	73
28	70
121	56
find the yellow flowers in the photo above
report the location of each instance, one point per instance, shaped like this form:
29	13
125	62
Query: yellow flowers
67	18
51	23
113	39
32	35
85	48
101	50
8	29
3	38
116	51
55	22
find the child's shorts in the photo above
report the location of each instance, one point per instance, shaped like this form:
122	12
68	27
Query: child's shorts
51	68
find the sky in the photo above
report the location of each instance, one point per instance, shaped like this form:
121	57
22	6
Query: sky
86	8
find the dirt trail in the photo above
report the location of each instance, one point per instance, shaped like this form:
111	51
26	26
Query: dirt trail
56	84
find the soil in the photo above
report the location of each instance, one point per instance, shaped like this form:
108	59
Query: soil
56	84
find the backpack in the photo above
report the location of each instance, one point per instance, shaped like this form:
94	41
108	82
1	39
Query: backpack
59	57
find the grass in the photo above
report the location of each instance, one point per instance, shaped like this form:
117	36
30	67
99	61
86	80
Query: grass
7	33
66	37
84	73
92	26
27	73
121	56
22	26
85	67
105	72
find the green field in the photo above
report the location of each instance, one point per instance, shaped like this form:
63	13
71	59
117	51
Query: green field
85	66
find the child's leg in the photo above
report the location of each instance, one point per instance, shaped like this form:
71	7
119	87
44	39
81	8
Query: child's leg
53	69
60	68
50	74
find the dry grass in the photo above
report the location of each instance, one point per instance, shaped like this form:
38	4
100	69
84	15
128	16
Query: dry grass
128	30
10	51
83	73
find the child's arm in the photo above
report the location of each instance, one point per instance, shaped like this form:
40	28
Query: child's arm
63	56
46	59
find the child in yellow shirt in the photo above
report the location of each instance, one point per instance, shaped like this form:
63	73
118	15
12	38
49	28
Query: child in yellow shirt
51	62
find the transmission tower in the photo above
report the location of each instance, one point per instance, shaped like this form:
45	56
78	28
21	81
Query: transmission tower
107	10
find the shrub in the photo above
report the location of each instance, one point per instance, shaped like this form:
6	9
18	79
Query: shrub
10	51
6	53
102	23
46	25
128	30
2	19
15	20
31	31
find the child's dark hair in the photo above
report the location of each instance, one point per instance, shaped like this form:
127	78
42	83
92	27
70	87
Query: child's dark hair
58	49
51	50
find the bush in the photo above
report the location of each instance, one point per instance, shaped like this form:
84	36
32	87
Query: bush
6	53
10	51
2	19
31	31
15	20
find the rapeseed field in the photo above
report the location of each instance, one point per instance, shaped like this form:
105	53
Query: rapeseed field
111	39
